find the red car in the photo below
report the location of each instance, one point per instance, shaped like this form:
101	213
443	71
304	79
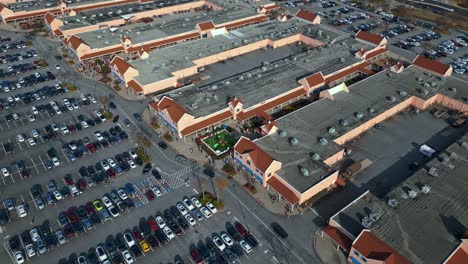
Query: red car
72	216
52	135
150	195
72	128
89	208
111	173
91	148
137	234
68	180
196	256
81	184
242	230
152	224
68	230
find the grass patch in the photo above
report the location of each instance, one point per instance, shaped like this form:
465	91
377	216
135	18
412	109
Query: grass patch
117	88
72	88
71	62
168	137
218	204
220	142
141	152
207	199
107	114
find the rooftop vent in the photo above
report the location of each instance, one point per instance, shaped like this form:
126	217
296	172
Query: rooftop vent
304	172
323	141
294	141
392	202
374	217
332	130
391	99
344	122
402	93
419	79
342	60
358	115
434	84
241	77
452	89
425	189
412	193
316	157
424	91
371	110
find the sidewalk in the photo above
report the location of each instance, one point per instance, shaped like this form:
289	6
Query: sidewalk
189	148
327	251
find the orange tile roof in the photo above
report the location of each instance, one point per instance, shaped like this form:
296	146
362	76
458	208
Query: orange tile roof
102	52
154	105
174	110
458	257
372	247
339	237
283	190
30	14
369	37
315	79
257	19
306	15
123	39
206	123
158	43
260	158
206	25
101	5
121	64
58	32
234	101
135	86
271	104
431	65
49	18
74	42
375	53
358	68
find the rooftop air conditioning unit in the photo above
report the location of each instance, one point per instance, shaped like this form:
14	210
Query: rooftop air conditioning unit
412	193
332	130
433	172
425	189
283	134
424	91
366	222
316	157
323	141
371	110
402	93
359	115
294	141
374	216
391	99
392	202
304	172
344	122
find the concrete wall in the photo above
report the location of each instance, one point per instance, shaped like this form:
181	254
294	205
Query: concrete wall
271	171
334	158
159	86
325	184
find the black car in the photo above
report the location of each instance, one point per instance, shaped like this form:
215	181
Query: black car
156	174
251	240
145	229
161	236
183	223
176	228
15	243
92	257
137	116
209	172
112	105
233	233
279	230
110	245
147	168
152	241
117	259
136	250
120	242
95	219
115	119
4	218
130	204
162	145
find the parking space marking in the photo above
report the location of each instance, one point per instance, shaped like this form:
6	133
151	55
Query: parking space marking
34	165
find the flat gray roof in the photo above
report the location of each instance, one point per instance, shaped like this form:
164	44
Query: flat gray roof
42	4
427	228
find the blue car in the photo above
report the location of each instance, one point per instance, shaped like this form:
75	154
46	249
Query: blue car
129	189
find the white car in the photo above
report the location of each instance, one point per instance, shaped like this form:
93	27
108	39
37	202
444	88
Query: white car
168	232
34	133
196	202
205	212
31	141
16	97
111	162
211	207
133	154
101	253
57	195
73	190
5	172
21	210
131	164
70	108
98	135
34	235
111	211
55	161
31	118
57	67
65	130
83	97
82	260
160	221
105	165
156	191
34	110
107	202
188	204
84	124
20	138
219	243
10	99
122	194
93	100
129	239
127	257
19	257
75	106
190	219
54	127
227	239
30	250
181	208
15	116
